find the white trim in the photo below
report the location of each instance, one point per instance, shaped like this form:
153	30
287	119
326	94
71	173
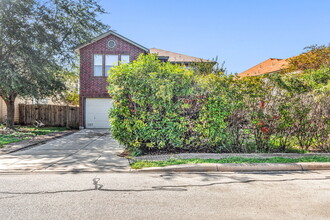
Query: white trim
107	34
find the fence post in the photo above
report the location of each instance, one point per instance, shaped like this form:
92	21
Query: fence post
67	110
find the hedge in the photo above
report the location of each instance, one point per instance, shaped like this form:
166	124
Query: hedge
161	107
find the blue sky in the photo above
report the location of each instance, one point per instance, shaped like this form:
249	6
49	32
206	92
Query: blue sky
242	33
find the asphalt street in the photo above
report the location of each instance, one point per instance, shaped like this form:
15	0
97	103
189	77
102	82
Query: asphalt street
273	195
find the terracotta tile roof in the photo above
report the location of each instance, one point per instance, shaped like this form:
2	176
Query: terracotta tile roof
268	66
176	57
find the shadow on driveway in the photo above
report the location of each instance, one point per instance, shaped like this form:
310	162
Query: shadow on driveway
86	150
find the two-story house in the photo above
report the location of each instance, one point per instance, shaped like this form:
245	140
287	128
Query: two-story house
96	58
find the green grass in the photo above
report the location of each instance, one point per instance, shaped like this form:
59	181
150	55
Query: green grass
6	139
26	132
144	164
42	131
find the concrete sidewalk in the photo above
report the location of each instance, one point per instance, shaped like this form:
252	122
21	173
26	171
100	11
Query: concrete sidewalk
86	150
96	151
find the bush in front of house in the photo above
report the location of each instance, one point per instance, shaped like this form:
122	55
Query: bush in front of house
164	108
148	102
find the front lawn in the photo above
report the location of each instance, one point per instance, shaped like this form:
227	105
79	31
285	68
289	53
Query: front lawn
143	164
26	132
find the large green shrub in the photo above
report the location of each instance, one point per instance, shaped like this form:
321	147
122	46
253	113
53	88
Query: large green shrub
165	107
148	104
160	107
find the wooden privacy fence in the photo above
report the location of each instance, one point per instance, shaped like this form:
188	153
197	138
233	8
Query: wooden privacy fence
50	115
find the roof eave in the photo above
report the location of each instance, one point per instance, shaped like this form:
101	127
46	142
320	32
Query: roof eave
77	49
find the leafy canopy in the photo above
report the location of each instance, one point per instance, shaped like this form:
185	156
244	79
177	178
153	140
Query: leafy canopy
162	108
37	42
313	58
159	105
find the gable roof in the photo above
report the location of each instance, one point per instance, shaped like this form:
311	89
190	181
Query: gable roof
268	66
107	34
176	57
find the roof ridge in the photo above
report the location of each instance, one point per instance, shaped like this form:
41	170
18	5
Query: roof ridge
197	58
275	59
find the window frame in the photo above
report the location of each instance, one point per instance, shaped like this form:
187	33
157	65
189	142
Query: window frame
104	62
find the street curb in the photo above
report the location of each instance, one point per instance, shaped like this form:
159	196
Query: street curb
203	167
234	167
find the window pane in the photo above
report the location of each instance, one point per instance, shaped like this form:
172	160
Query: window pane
98	70
107	68
124	58
110	61
98	65
98	59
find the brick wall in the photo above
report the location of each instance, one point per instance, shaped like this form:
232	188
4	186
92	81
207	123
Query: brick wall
96	86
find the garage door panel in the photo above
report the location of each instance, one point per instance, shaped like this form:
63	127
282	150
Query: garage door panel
97	112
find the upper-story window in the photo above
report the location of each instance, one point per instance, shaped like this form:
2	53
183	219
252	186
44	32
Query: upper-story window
110	61
103	63
124	58
98	64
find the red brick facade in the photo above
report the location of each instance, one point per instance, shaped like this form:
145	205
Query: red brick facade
96	86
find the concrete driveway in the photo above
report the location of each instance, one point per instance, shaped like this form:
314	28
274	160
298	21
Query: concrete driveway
86	150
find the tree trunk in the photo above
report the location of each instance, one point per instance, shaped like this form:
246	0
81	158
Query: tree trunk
10	103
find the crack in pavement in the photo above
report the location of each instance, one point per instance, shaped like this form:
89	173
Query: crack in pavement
182	188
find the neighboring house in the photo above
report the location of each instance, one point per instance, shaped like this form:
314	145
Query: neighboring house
96	58
272	65
3	110
177	58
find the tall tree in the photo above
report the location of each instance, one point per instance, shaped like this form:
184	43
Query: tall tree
37	43
313	58
71	95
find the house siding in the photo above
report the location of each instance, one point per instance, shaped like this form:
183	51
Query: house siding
3	110
96	86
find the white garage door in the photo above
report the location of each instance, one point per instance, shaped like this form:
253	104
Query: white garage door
97	112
